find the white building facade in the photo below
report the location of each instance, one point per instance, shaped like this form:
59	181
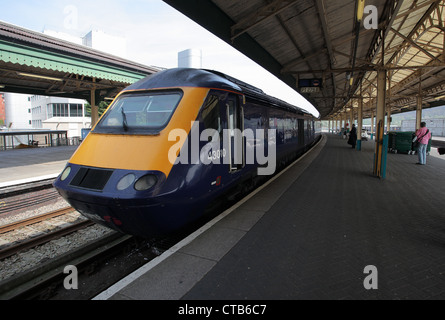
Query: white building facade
191	58
102	41
53	113
27	112
18	111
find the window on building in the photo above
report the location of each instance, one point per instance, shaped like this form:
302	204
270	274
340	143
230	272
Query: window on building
63	110
60	109
49	110
75	110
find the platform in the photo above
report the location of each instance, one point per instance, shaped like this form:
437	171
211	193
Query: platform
26	165
311	233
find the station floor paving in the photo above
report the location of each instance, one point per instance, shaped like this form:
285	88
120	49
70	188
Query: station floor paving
311	234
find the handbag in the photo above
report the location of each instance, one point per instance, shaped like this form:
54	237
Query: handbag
416	140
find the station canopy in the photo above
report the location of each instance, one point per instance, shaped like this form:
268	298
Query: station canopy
35	63
323	50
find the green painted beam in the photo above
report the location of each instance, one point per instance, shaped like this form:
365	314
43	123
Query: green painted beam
38	58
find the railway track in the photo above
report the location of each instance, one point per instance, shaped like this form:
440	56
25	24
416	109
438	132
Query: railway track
44	238
45	280
19	202
33	251
17	198
37	282
35	219
8	191
100	263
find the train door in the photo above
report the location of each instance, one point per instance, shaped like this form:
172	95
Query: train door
234	132
310	130
301	132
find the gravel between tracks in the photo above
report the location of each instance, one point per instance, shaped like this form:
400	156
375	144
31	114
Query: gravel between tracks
31	258
53	206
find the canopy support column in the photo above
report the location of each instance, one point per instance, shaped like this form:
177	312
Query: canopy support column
419	112
360	124
379	159
94	109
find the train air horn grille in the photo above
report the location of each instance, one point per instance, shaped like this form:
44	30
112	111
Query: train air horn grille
93	179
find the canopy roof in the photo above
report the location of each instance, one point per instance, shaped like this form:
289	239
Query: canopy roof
34	63
323	40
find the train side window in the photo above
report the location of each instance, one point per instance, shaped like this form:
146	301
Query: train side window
211	114
235	126
232	117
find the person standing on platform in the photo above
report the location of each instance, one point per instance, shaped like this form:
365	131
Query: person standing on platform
353	136
423	137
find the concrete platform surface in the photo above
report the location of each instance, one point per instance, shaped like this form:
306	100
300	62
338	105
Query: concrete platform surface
22	165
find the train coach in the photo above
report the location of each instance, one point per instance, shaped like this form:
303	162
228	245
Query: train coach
173	146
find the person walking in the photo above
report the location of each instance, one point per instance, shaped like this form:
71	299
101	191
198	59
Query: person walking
353	136
423	137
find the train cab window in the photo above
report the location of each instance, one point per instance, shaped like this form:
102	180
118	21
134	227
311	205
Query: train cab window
139	113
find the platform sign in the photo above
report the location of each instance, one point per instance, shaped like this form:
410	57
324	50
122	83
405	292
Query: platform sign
309	90
310	85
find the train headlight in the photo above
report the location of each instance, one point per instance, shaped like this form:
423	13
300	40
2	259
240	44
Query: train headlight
146	182
126	181
65	173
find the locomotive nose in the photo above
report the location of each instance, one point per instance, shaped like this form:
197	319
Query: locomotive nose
118	199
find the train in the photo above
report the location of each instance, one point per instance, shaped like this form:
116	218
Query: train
176	145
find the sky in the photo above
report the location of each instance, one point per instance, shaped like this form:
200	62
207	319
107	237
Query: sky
154	31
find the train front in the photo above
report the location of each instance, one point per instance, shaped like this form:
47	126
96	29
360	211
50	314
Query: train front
119	176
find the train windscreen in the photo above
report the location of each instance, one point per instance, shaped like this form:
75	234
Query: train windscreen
139	113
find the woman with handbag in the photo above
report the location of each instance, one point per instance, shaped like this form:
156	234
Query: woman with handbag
423	137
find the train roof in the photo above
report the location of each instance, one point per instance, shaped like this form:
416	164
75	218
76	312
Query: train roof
187	77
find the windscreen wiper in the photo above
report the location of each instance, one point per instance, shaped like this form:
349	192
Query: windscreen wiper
124	118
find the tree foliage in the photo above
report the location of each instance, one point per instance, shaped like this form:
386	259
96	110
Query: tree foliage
102	107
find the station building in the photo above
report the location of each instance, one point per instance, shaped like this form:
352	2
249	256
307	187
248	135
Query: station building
17	111
33	112
53	113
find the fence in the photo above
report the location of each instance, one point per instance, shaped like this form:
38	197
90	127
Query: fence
26	139
436	126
